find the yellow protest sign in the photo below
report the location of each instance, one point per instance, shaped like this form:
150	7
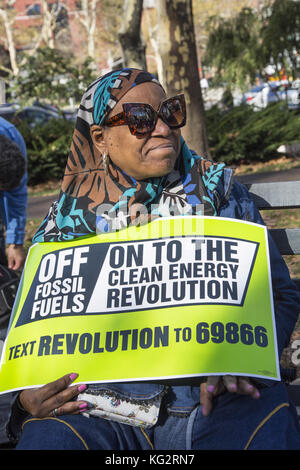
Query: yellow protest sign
179	297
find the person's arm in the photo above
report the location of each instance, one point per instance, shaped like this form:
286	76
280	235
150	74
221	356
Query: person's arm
13	207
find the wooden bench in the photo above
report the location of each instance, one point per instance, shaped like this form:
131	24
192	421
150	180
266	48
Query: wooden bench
281	196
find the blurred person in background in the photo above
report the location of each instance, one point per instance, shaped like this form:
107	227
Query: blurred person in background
13	200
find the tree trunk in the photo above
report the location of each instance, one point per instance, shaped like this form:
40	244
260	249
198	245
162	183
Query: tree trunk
180	67
155	46
130	38
10	42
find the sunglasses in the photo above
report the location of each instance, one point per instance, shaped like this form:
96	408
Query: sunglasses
141	118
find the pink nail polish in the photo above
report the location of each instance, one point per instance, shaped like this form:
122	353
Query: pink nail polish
210	388
83	406
81	388
73	376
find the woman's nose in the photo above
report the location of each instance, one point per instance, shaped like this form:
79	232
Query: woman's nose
161	128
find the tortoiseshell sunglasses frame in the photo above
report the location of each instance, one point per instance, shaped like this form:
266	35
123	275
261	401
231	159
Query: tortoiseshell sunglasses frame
121	119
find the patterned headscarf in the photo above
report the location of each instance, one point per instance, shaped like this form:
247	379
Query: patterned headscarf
91	201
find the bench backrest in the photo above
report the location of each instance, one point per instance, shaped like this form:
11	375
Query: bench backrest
280	195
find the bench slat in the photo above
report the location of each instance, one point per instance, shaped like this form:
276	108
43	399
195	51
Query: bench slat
287	240
278	195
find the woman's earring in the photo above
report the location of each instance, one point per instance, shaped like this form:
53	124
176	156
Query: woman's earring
105	158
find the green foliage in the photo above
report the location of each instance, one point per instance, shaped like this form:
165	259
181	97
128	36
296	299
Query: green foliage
242	46
280	34
232	47
244	135
50	76
47	148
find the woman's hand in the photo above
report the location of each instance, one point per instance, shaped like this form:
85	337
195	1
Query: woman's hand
54	399
216	385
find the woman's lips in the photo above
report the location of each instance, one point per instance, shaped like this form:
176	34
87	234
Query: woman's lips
166	145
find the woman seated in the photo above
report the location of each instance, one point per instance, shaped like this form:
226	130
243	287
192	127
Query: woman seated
127	145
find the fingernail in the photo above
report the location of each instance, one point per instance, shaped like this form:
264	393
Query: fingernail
83	406
249	387
257	394
81	388
210	388
232	386
73	376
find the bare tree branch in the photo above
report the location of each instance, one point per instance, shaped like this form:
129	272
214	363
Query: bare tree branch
8	23
49	22
87	17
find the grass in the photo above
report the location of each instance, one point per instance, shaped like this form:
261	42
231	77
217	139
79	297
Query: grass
31	227
277	164
288	218
44	189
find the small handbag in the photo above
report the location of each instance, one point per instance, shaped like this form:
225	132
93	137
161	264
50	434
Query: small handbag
120	410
